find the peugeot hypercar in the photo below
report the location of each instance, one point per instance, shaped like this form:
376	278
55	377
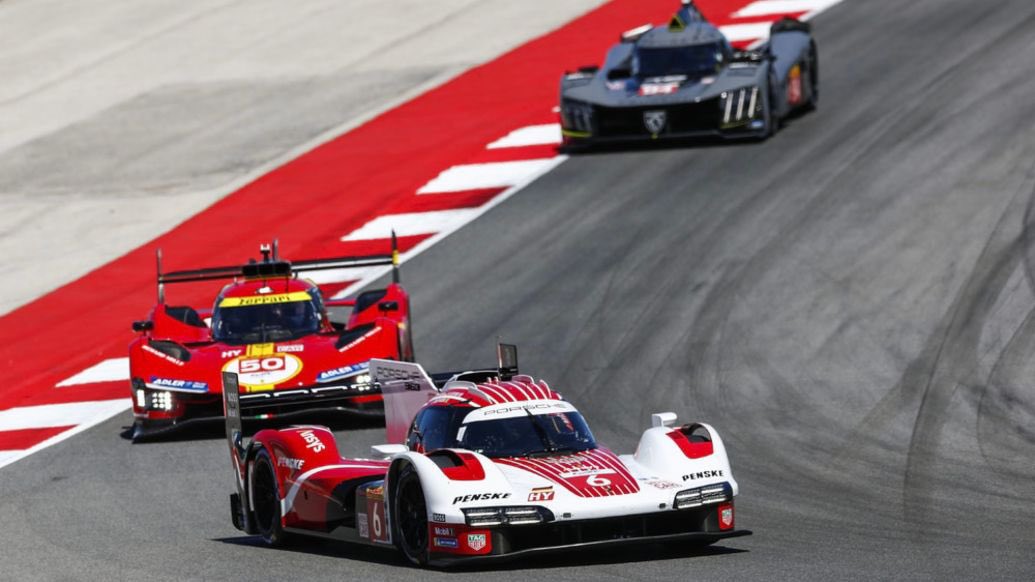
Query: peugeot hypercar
486	465
684	80
276	332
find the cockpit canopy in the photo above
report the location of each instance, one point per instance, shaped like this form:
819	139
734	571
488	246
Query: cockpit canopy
689	61
517	429
269	317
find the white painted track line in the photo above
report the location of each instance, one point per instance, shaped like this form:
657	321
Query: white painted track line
106	371
742	32
432	241
547	134
410	224
769	7
52	415
88	415
481	176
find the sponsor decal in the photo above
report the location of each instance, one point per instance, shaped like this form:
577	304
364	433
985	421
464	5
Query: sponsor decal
585	472
438	517
363	525
291	348
655	121
476	541
161	355
726	517
313	442
446	543
290	463
231	353
339	373
264	299
660	484
649	89
479	497
707	80
794	92
360	339
615	85
375	492
541	494
702	475
181	385
444	531
258	372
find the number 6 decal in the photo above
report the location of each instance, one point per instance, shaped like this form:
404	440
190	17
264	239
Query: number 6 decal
597	481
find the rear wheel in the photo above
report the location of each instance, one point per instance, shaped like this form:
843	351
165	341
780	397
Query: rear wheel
265	497
410	517
813	78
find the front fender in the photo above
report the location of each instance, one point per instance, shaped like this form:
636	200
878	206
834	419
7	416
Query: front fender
445	496
660	451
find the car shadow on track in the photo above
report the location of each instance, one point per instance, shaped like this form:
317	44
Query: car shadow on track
562	559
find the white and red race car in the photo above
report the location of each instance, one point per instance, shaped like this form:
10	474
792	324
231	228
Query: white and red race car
494	465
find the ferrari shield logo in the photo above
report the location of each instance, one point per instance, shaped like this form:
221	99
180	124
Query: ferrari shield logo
655	121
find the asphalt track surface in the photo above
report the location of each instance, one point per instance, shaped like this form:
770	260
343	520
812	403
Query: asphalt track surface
850	303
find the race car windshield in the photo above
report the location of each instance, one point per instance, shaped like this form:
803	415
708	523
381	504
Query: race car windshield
246	324
691	61
540	434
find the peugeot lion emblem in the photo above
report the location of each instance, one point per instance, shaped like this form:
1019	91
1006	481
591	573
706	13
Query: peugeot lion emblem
654	121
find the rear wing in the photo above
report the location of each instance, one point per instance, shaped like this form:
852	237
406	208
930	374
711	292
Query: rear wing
406	387
272	265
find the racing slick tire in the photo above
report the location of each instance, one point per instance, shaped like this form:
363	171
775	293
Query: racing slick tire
265	496
410	517
813	71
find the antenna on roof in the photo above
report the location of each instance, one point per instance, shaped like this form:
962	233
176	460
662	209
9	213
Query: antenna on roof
276	249
506	355
395	258
161	286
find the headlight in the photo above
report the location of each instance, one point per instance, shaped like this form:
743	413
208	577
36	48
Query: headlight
489	516
690	498
157	400
577	116
740	106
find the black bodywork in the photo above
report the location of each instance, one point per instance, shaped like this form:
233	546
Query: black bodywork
684	80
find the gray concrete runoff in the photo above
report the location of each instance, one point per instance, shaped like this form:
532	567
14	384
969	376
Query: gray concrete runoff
849	303
120	120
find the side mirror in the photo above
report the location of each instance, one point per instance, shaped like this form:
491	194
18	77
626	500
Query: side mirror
663	419
388	306
387	451
142	326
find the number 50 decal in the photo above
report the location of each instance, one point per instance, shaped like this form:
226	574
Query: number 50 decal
264	371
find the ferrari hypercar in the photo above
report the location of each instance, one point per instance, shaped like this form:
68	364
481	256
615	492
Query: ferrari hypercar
275	331
685	80
483	465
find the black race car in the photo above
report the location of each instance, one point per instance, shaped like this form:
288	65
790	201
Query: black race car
685	80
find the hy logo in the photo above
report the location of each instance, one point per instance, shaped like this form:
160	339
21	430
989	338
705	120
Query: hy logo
655	121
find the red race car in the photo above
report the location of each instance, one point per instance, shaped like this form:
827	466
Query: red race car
274	330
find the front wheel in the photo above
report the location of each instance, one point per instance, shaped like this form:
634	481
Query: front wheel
265	497
410	517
